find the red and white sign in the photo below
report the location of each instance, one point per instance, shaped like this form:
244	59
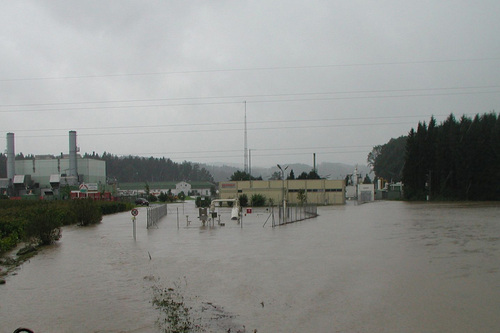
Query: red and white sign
134	212
83	188
249	210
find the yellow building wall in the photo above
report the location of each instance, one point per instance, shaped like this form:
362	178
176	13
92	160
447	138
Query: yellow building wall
321	191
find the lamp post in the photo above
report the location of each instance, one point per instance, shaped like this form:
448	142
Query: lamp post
283	189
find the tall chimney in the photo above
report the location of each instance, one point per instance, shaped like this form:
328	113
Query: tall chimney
73	171
11	157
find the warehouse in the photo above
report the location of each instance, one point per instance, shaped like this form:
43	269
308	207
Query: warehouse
317	191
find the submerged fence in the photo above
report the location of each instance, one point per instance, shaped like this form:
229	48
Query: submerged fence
155	213
295	213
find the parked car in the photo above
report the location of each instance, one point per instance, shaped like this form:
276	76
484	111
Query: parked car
141	202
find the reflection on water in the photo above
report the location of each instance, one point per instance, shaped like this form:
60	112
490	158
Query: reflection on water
378	267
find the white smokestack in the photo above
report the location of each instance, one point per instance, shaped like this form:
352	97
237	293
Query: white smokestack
11	157
73	171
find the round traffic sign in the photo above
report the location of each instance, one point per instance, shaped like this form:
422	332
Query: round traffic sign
134	212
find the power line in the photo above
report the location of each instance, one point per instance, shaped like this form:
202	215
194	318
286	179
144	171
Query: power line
80	108
254	96
214	130
272	68
253	102
236	156
253	149
309	120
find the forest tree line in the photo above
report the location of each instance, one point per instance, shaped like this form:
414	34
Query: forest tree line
137	169
456	160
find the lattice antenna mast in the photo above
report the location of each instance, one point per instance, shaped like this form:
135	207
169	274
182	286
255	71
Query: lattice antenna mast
245	152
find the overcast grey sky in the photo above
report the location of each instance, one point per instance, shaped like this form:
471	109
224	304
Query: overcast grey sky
170	78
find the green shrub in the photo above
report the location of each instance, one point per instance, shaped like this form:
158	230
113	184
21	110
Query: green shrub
163	197
9	242
302	196
40	220
202	201
65	212
44	224
87	211
258	200
113	207
243	200
152	198
12	222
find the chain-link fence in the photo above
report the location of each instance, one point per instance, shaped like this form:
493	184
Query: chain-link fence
295	213
155	213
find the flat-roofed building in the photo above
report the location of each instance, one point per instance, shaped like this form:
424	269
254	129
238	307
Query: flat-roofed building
317	191
44	169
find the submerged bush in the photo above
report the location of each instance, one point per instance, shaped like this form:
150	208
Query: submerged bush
8	242
44	224
87	211
202	201
175	314
112	207
40	221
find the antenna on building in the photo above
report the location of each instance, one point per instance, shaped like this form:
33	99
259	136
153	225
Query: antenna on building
245	152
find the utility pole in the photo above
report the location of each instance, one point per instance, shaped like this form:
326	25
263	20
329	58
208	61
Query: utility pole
245	152
250	162
283	190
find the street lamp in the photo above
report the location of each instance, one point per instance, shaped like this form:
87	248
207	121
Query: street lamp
283	188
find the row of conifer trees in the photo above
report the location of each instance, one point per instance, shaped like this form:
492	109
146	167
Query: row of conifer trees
456	160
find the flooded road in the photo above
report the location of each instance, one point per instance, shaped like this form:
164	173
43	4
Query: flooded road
378	267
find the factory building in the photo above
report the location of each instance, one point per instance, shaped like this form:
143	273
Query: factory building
46	174
317	191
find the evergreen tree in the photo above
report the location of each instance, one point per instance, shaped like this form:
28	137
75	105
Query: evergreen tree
242	175
455	160
313	175
3	166
303	175
387	160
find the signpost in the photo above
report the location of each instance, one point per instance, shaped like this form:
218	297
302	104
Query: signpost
134	213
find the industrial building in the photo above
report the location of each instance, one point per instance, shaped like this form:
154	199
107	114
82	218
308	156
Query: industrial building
192	188
46	174
317	191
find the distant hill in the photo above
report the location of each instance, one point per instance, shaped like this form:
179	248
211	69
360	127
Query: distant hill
328	170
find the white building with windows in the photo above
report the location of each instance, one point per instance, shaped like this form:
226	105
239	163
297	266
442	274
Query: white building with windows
182	187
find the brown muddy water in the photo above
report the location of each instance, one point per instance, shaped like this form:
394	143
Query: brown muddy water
378	267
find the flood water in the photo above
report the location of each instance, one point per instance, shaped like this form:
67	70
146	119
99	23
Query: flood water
377	267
